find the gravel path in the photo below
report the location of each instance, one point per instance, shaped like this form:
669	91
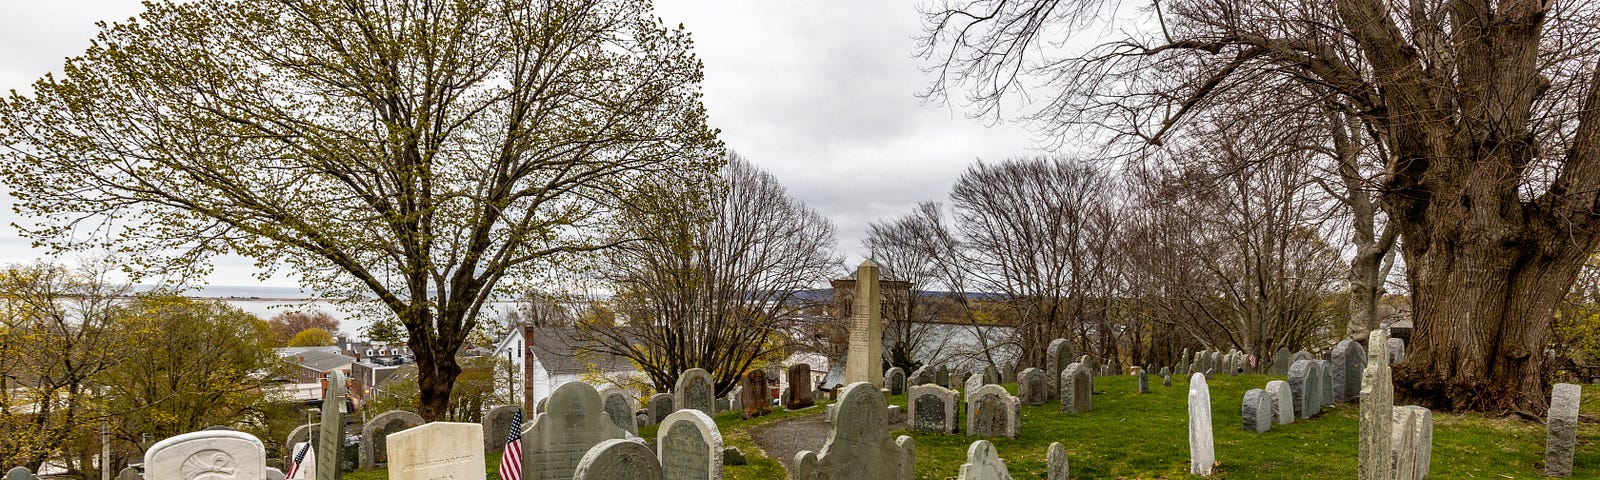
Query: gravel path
781	440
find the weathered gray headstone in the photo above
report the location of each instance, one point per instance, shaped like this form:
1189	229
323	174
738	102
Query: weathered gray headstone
374	435
1057	356
1317	381
1256	411
933	408
496	424
858	443
983	463
1166	380
689	447
616	459
923	374
1202	447
1008	373
330	442
619	407
896	380
1325	376
206	454
695	389
1144	381
272	474
1397	351
1413	442
438	450
991	375
1164	372
131	473
1183	362
1377	412
734	456
660	407
1056	462
1282	398
1077	389
1561	429
1300	383
1033	386
941	376
573	423
1280	361
1348	359
20	473
973	382
992	412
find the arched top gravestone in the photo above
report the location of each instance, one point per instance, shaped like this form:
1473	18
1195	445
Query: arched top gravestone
1057	356
374	435
1077	389
618	459
203	454
619	407
695	389
689	446
983	463
496	424
574	421
895	379
858	444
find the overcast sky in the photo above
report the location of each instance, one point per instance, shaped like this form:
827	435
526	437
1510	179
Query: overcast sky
821	94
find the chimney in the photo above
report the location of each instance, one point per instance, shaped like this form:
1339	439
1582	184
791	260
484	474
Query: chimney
302	360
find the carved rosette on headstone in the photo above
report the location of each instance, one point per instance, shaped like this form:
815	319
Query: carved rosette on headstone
933	408
1202	449
207	454
574	422
858	443
437	450
689	447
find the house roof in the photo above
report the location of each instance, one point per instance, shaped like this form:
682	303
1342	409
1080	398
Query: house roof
323	361
560	350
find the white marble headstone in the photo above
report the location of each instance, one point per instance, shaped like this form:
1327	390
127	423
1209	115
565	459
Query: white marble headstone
209	454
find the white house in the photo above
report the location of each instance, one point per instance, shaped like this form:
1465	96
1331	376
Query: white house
557	360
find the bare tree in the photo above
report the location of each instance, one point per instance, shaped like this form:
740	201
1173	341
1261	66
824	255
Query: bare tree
716	282
416	152
1489	112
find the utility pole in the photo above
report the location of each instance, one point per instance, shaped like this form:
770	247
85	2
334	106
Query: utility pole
528	406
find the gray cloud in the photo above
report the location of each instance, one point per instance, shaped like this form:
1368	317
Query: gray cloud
822	94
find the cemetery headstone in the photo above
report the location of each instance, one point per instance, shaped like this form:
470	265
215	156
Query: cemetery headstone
1300	381
660	407
695	389
306	434
896	380
923	374
330	440
619	407
734	456
1413	442
1144	381
1008	373
1056	462
1348	359
131	473
863	362
689	447
206	454
438	450
1280	361
1397	351
933	408
20	473
1202	447
991	375
1032	386
1166	380
539	408
1183	362
1377	411
1325	376
1282	401
756	402
973	382
272	474
834	379
1164	371
617	459
1057	356
1077	389
1561	429
1316	388
941	376
495	424
573	423
375	434
959	377
858	443
1256	411
992	412
983	463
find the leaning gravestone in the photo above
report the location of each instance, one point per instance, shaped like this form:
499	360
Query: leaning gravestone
573	423
689	447
800	386
1280	361
618	459
1348	359
438	450
496	424
983	463
1056	462
374	435
1256	411
619	408
923	374
1413	442
207	454
896	380
1299	381
1033	386
756	403
1561	429
1377	412
660	407
696	390
1202	449
991	412
858	443
1077	389
1282	398
933	408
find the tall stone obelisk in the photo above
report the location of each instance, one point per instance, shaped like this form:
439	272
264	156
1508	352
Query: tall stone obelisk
864	362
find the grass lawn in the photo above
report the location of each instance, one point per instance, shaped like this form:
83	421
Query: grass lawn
1131	436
